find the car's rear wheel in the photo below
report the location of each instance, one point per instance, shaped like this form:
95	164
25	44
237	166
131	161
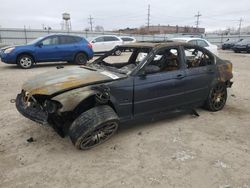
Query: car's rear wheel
25	61
93	127
217	97
81	59
118	52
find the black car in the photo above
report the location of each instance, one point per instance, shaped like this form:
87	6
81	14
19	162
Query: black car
229	44
243	46
89	102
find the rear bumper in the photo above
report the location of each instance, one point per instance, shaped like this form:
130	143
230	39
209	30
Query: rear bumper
33	113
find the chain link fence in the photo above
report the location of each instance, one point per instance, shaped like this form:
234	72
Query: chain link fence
23	36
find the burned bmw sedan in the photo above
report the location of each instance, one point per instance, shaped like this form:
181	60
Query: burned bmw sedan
89	102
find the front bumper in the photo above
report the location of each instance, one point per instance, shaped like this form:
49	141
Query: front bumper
32	112
7	58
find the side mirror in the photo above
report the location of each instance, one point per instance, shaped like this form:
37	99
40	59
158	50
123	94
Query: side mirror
93	41
39	44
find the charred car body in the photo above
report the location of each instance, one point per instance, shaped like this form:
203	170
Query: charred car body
89	102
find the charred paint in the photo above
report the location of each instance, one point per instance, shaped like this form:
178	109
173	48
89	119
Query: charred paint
59	80
225	71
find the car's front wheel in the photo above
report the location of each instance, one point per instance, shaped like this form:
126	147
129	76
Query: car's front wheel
25	61
93	127
217	97
81	59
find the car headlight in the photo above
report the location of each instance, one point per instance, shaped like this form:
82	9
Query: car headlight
8	50
52	106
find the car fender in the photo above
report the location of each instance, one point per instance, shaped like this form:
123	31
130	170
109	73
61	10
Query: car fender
25	51
71	99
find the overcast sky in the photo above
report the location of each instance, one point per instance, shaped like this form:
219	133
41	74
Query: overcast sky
115	14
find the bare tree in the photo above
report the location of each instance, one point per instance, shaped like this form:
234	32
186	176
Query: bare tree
99	28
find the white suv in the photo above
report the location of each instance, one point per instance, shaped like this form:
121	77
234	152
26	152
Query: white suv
200	42
106	43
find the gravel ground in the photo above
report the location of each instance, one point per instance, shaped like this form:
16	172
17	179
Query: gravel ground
212	150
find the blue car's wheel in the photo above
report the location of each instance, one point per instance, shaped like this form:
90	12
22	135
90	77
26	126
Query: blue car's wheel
25	61
81	59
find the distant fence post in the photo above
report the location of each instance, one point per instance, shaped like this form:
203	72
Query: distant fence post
25	35
0	37
221	41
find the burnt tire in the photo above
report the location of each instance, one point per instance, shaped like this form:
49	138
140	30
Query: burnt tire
25	61
93	127
217	98
81	59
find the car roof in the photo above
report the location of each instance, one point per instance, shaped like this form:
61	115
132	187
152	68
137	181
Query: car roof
187	38
153	45
106	36
127	37
62	34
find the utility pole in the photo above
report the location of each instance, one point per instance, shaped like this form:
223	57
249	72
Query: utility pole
241	20
148	18
91	22
198	20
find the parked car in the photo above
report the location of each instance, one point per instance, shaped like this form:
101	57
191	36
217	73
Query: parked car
127	39
230	43
200	42
242	46
89	102
104	43
54	47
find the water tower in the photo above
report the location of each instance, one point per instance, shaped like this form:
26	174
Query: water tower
66	25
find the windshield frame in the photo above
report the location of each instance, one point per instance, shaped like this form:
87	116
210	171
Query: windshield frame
36	40
122	48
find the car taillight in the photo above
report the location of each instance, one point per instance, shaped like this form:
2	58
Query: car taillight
90	45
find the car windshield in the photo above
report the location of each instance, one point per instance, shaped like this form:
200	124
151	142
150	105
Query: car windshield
123	64
244	42
36	40
232	40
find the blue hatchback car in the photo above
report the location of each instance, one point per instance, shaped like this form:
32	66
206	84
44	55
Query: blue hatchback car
56	47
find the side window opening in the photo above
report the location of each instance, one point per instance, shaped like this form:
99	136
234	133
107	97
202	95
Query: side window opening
50	41
110	39
197	58
99	39
202	43
194	42
164	61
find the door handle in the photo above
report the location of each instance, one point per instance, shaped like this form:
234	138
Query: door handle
180	76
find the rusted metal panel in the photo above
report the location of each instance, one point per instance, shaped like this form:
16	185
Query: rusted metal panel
63	79
225	71
71	99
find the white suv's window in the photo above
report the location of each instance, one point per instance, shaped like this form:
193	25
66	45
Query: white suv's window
192	42
202	43
99	39
110	38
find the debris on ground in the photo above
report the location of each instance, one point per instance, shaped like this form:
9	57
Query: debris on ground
233	95
139	133
31	139
12	100
182	156
220	164
195	113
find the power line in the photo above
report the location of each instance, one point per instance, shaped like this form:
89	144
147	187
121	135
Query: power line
91	22
198	19
148	17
